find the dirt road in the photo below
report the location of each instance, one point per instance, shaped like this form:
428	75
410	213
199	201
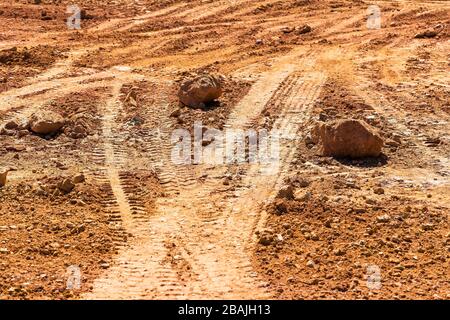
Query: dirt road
180	231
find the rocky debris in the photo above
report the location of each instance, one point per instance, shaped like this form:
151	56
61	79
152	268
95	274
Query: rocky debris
347	138
280	207
17	127
59	185
198	91
46	122
78	126
304	29
3	175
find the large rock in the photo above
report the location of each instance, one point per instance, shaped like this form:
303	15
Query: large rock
347	138
46	122
200	90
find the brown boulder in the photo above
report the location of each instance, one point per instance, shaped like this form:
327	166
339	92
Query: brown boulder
200	90
46	122
347	138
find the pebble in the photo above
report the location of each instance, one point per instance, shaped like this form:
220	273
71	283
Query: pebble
310	264
383	218
339	252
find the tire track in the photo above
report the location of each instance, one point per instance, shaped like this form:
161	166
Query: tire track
231	234
141	268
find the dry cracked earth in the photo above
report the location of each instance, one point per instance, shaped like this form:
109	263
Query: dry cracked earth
138	226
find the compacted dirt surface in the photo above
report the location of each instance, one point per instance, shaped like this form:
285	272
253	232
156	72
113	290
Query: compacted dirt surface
98	210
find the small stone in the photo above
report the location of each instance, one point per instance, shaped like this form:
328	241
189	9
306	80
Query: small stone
11	125
303	196
427	226
426	34
79	178
384	218
304	29
339	252
378	191
176	113
266	238
286	192
287	29
310	264
303	183
55	245
66	186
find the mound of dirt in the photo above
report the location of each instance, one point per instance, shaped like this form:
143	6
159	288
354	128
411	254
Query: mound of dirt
80	112
347	138
200	90
39	56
